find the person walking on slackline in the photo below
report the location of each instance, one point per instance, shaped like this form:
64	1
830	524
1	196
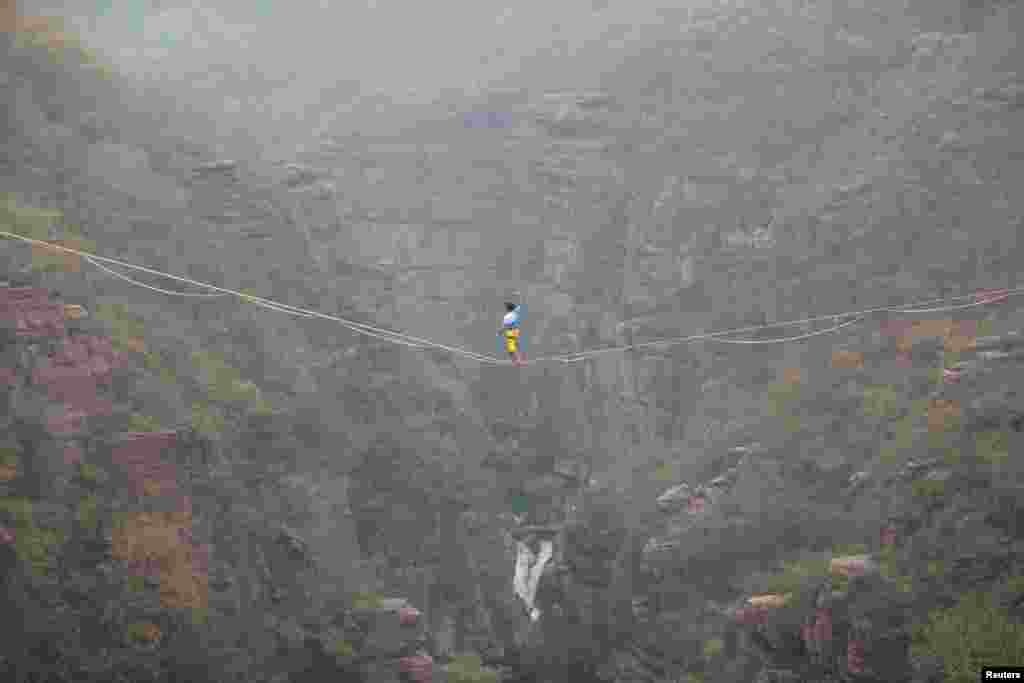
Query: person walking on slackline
510	330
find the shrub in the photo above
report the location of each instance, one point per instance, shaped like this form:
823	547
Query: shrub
798	576
37	548
972	634
469	669
850	549
88	512
991	447
8	464
26	221
167	376
342	648
18	510
366	601
89	473
143	423
126	331
713	648
144	632
34	546
879	401
205	420
929	489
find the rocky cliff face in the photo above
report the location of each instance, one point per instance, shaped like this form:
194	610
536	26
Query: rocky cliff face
734	166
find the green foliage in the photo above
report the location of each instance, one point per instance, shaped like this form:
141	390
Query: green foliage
936	568
366	601
797	576
879	401
972	634
136	584
262	407
849	549
123	325
205	420
904	432
992	447
694	678
920	407
88	512
143	632
929	488
780	396
713	648
18	510
37	548
952	456
938	440
34	546
792	423
151	361
469	669
199	616
89	473
8	457
167	376
225	384
1015	585
342	648
143	423
26	221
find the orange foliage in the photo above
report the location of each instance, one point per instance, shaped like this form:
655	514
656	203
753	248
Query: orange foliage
151	488
953	334
156	537
71	263
73	312
940	412
8	15
847	360
8	472
136	344
791	376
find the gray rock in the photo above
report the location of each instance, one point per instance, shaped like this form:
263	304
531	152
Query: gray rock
223	166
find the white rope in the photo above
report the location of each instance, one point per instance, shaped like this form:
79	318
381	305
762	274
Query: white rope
357	326
220	294
155	289
714	337
418	342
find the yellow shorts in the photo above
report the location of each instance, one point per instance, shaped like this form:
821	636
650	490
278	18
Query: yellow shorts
512	341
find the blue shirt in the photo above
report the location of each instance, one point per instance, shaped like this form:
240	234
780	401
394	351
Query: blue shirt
511	319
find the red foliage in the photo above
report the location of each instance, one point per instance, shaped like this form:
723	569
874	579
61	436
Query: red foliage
855	657
888	536
696	505
7	537
751	616
897	328
8	376
66	422
14	296
34	320
72	455
408	616
419	667
823	626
